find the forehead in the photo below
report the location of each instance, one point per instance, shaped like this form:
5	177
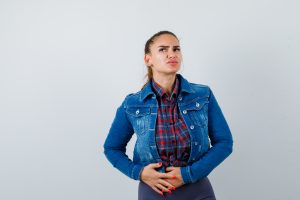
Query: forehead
166	40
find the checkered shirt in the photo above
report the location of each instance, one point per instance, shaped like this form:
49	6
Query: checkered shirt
172	135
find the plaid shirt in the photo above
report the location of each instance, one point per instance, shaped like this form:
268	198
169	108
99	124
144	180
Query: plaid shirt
172	135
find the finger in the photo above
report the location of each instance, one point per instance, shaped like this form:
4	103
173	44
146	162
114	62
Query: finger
163	188
157	190
166	175
170	168
155	165
167	184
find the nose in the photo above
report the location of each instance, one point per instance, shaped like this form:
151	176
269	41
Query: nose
171	54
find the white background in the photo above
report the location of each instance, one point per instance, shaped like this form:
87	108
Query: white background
65	66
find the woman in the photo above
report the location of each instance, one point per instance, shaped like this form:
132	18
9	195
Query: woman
182	134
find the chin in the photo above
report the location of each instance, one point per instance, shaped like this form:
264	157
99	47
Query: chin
172	71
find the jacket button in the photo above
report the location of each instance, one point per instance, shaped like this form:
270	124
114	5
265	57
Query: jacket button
197	104
196	143
192	127
137	111
153	97
184	112
180	98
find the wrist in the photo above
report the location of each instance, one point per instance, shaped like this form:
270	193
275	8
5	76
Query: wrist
141	174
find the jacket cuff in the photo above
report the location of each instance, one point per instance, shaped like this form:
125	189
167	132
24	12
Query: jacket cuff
186	174
136	172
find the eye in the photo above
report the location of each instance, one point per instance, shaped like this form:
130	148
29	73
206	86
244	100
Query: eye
162	49
177	49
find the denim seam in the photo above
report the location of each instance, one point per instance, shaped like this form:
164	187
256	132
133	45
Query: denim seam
189	173
132	175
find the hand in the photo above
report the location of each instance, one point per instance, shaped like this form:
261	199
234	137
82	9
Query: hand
157	180
175	171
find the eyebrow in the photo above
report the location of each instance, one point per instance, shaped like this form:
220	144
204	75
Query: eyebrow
167	46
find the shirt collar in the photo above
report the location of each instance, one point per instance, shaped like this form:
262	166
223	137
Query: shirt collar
162	92
184	86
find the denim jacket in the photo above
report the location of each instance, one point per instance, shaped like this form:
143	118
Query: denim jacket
211	139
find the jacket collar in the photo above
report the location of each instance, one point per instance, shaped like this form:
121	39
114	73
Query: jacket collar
162	92
184	87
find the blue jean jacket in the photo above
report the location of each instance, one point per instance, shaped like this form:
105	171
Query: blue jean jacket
211	139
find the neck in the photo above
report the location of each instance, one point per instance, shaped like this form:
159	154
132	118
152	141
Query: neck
165	81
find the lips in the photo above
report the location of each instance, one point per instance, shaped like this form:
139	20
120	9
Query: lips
172	62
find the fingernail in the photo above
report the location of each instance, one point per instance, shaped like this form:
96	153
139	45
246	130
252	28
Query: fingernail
173	188
170	191
160	163
174	177
162	194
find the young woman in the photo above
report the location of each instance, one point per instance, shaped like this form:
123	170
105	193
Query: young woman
182	134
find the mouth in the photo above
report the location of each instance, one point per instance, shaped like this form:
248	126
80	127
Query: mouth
172	62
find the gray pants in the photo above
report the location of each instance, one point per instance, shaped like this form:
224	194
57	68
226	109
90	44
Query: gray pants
201	190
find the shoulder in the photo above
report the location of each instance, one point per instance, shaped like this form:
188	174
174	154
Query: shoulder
201	89
131	98
198	89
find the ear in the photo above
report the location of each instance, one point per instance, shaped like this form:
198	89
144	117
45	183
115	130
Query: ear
147	59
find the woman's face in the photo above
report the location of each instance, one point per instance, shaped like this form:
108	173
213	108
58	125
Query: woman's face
165	55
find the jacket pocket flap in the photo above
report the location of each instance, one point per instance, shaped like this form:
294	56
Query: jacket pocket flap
138	111
196	105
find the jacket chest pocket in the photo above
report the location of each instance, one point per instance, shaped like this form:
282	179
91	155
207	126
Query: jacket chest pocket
197	111
140	118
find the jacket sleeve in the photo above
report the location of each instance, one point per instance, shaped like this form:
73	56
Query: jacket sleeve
115	144
221	141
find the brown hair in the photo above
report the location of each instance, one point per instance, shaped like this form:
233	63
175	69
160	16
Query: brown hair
148	44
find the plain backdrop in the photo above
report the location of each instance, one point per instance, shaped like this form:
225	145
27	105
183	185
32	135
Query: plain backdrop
65	66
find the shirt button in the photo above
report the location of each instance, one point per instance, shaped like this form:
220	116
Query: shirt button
192	127
179	98
197	104
184	112
137	111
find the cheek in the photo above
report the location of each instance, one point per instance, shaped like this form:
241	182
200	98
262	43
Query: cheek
162	57
179	56
158	59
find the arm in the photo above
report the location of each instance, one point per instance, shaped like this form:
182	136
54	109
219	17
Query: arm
221	141
119	135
